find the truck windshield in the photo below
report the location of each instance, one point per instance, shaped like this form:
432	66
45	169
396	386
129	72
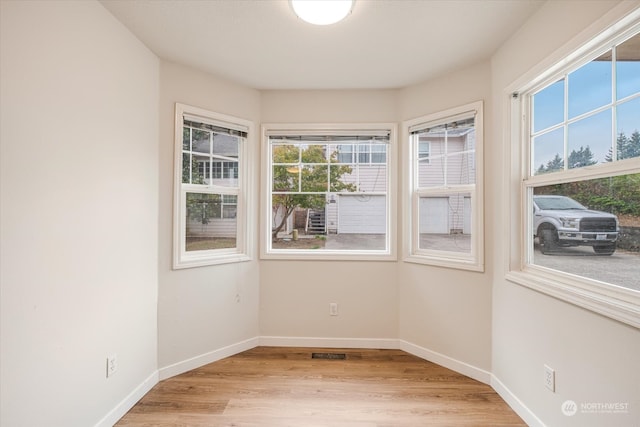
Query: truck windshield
557	203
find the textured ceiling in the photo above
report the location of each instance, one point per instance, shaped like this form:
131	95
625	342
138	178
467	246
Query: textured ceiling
381	44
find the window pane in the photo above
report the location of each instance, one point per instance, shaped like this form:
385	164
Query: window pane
200	142
286	154
343	153
286	178
206	228
589	140
186	138
628	67
461	169
313	153
548	152
590	228
431	173
315	178
628	134
548	106
590	86
350	210
445	222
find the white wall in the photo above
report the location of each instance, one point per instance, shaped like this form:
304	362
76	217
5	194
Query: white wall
295	295
595	358
443	310
79	204
198	315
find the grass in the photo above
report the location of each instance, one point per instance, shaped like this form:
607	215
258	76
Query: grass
207	243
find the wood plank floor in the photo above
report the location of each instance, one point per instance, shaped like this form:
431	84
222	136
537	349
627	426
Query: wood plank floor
280	386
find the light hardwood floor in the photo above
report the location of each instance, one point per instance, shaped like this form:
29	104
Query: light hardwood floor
278	386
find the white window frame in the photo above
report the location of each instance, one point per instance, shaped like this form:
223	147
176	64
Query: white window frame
388	254
182	258
613	301
474	260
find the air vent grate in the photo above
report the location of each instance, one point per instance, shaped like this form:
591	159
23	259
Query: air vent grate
329	356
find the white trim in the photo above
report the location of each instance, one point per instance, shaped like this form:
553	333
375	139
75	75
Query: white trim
514	403
440	359
377	343
244	190
204	359
474	260
446	361
390	253
128	402
606	299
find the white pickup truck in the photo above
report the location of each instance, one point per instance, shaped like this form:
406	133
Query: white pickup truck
559	221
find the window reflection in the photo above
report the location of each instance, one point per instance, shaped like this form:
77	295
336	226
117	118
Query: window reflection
589	228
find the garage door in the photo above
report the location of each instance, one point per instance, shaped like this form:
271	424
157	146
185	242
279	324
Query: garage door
362	214
434	215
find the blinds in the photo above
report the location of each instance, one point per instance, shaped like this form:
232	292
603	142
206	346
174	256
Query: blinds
464	120
214	126
330	136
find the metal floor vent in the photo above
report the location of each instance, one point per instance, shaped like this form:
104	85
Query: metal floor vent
330	356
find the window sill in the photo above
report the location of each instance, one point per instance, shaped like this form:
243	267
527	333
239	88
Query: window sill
341	255
209	260
611	301
445	262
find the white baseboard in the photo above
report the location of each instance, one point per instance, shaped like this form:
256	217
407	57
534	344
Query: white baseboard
278	341
203	359
516	404
384	343
446	361
128	402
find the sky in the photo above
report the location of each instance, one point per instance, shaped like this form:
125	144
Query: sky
588	89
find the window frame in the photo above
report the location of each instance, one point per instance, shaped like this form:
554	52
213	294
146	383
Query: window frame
473	261
616	302
181	258
389	254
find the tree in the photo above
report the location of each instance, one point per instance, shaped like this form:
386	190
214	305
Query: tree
581	158
626	147
307	171
555	164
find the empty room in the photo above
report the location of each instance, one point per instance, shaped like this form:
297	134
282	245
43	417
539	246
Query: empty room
253	213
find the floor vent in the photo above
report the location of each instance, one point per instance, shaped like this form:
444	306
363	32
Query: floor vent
330	356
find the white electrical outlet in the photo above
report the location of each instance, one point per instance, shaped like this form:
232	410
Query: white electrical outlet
112	364
549	378
333	309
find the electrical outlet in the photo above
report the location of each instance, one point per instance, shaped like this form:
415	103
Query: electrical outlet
333	309
549	378
112	364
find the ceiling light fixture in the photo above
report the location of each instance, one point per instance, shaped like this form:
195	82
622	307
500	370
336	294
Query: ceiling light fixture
322	12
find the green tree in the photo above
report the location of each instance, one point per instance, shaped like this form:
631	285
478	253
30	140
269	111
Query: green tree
307	171
626	147
581	158
555	164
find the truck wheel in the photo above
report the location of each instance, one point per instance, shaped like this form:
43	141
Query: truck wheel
548	241
607	249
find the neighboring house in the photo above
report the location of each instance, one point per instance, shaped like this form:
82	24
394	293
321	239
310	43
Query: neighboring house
217	164
344	212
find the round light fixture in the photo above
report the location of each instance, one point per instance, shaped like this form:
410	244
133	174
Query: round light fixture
322	12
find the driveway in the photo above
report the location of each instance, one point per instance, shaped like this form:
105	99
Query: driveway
622	268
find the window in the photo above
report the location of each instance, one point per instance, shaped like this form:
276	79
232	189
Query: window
210	212
328	192
580	178
444	164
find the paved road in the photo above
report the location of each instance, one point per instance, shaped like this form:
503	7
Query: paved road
622	268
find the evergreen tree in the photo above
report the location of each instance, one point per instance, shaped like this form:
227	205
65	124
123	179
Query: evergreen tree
581	158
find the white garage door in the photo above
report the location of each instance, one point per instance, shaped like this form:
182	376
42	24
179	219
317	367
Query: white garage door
362	214
434	215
